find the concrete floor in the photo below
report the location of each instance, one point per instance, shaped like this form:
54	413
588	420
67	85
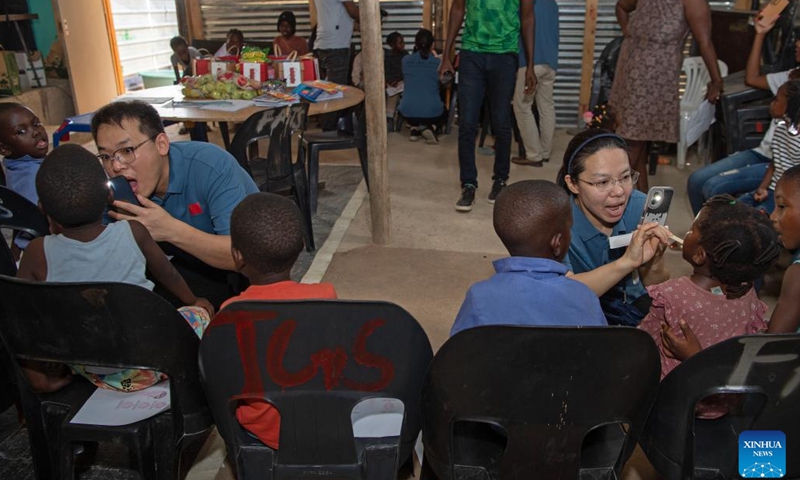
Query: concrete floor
436	253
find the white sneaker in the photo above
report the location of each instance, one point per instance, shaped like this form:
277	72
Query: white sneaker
430	137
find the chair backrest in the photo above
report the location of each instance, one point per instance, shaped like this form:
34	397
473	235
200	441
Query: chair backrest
18	213
779	50
697	78
104	324
278	126
313	360
546	387
763	365
604	70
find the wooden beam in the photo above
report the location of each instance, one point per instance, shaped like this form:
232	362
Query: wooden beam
587	66
426	14
372	50
194	20
112	40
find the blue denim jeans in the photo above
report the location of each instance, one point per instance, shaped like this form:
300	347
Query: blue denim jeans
767	206
739	173
336	62
493	75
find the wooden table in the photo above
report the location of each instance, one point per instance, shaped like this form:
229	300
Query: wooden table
352	96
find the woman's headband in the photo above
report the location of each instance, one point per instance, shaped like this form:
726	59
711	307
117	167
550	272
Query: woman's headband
587	142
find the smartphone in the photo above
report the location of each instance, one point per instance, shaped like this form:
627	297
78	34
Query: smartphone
772	10
656	207
122	190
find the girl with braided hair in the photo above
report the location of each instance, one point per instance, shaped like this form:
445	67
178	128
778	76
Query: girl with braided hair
730	245
785	109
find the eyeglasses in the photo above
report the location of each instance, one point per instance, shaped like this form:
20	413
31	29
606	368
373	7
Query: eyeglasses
606	185
125	155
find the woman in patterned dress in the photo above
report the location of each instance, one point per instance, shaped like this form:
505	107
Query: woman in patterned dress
645	92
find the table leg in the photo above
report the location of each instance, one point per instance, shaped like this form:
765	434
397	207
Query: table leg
226	139
199	132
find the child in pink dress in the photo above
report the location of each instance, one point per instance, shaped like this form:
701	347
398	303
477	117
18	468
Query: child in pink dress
729	245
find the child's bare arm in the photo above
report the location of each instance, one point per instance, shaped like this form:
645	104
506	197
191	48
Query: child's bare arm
34	264
761	192
786	317
158	265
676	347
45	377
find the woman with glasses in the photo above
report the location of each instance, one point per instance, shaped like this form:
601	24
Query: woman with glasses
606	209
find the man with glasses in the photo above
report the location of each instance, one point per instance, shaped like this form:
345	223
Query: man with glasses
187	191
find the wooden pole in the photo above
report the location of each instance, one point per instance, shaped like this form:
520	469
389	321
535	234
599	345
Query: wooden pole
372	50
588	57
438	24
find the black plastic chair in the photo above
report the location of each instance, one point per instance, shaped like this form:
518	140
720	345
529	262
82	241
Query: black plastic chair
315	361
276	172
558	395
18	213
111	325
762	369
604	70
341	139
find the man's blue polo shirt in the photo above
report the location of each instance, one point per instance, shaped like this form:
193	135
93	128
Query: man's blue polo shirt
205	184
589	247
530	292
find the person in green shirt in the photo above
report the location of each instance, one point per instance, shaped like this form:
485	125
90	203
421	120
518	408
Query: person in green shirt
487	66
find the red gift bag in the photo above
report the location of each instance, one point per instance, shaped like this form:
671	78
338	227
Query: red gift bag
202	65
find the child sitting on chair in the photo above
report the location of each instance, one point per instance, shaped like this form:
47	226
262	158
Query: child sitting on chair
73	193
533	219
266	239
234	41
785	110
393	69
287	42
730	245
23	144
182	55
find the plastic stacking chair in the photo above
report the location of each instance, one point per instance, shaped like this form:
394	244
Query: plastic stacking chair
276	171
20	215
78	123
603	74
763	371
314	143
109	325
562	403
315	361
697	78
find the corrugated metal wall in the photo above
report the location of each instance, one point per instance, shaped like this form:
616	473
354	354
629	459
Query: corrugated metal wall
257	20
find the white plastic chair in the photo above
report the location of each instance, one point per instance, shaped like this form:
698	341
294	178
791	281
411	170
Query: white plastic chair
697	78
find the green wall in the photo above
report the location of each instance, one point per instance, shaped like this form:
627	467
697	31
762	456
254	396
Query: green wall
44	29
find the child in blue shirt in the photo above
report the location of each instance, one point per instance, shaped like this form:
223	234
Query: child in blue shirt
24	144
421	104
533	219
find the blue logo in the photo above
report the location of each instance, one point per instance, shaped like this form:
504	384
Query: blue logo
762	454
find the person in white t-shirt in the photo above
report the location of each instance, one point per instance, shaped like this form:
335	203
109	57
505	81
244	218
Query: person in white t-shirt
334	31
233	45
752	74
